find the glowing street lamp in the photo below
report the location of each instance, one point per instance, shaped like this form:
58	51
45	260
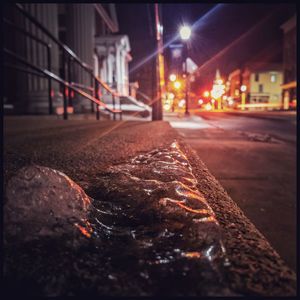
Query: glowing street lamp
185	32
230	102
206	94
171	96
243	88
181	103
177	85
172	77
208	107
243	96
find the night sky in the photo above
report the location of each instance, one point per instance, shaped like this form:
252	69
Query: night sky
218	26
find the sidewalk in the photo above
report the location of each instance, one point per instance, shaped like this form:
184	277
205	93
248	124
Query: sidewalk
86	149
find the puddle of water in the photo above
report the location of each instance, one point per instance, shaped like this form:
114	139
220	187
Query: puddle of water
154	233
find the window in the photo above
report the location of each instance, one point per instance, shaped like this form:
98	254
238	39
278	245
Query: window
273	78
260	88
256	77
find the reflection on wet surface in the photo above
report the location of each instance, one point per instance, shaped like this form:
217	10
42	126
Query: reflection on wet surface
147	231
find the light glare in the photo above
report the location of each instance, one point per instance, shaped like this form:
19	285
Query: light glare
206	94
185	32
172	77
243	88
177	85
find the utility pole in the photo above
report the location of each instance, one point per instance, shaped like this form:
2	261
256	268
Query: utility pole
185	34
157	105
186	82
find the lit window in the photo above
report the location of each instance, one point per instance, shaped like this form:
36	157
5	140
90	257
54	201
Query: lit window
273	77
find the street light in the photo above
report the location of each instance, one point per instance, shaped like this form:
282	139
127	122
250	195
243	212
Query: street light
185	33
243	96
243	88
206	94
172	77
177	85
171	96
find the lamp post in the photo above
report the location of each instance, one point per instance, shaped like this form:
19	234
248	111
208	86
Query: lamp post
157	105
185	34
243	96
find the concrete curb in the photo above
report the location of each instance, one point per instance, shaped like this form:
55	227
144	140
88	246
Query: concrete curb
257	268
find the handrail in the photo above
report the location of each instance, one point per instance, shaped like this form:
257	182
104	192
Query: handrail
95	81
144	95
106	86
58	79
82	86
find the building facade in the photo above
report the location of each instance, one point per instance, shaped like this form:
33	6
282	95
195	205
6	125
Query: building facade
88	30
265	85
234	84
259	83
112	58
289	87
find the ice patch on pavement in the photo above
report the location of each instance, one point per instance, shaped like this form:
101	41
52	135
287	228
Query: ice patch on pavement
44	202
168	217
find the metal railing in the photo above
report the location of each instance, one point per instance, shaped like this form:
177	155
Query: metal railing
56	78
68	56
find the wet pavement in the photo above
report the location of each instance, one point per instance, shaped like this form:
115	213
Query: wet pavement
155	221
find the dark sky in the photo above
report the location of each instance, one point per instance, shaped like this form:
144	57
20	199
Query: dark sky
254	30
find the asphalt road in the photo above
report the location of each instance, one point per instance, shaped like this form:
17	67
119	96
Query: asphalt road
254	158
